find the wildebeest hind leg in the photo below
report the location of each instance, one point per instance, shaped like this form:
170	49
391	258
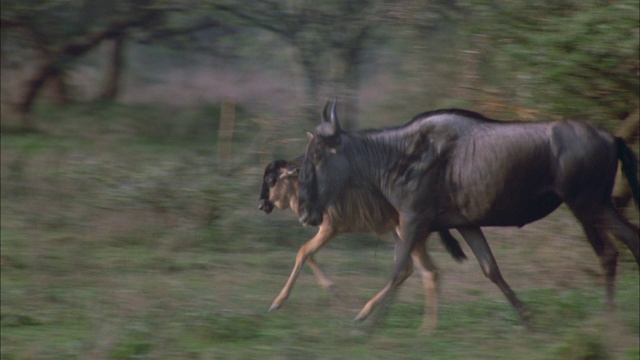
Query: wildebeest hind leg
478	244
623	230
323	280
605	249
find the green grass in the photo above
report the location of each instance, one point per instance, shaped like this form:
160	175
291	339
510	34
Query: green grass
134	243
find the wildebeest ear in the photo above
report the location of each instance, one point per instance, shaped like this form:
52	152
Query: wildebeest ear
310	135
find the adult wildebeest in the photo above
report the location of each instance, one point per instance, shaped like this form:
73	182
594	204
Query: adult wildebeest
357	211
458	169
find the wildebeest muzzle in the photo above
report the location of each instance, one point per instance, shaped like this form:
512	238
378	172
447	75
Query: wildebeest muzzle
265	205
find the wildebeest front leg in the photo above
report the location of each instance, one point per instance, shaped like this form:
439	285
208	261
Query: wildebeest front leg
325	233
410	236
380	314
478	244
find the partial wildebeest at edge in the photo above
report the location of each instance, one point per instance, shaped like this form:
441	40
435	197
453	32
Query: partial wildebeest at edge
356	211
458	169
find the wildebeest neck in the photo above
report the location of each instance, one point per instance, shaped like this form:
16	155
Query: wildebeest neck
379	158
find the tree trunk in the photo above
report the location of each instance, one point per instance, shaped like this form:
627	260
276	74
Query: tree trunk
352	60
312	90
307	58
32	87
66	52
114	69
56	86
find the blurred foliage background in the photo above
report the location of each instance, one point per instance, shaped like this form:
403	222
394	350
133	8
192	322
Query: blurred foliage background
135	134
554	58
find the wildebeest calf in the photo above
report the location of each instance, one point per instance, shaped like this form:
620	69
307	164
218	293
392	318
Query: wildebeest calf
357	211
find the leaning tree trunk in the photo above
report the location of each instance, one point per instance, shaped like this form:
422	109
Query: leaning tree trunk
312	89
114	69
351	80
306	56
32	88
67	52
57	90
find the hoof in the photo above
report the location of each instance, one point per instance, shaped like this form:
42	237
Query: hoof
274	307
359	318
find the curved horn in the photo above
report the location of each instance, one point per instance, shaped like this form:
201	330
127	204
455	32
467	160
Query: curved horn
325	115
334	117
330	125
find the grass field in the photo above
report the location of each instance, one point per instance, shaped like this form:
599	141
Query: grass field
124	238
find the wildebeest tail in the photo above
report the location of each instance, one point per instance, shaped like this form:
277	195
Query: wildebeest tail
629	168
452	245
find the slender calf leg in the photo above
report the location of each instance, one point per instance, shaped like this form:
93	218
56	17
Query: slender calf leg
478	244
429	274
322	278
325	233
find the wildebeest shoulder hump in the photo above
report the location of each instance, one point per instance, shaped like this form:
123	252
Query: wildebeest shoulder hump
459	112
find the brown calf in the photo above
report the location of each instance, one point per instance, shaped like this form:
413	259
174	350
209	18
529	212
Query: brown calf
359	211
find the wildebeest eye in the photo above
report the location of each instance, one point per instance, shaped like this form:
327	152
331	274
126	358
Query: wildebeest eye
325	146
318	152
271	179
317	157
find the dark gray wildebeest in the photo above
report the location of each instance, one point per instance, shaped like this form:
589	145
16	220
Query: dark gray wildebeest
458	169
356	211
